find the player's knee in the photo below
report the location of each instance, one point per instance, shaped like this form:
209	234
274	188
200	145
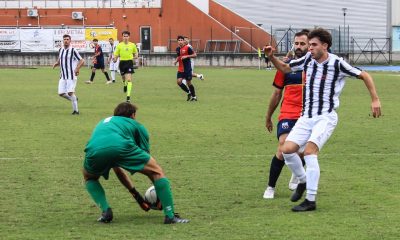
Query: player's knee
311	149
288	148
87	176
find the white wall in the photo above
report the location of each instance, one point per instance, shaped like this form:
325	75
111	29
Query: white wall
203	5
396	12
366	18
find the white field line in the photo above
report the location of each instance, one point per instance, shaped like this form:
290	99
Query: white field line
208	156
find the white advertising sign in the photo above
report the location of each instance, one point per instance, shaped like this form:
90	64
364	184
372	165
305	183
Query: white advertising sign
9	34
10	45
76	34
40	35
37	46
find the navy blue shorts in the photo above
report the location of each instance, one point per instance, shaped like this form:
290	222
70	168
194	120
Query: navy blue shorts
285	126
184	75
99	65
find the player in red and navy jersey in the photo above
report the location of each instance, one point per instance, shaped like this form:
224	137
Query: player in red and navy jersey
98	62
291	107
184	53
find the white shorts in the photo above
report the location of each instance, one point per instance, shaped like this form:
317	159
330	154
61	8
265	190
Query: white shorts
114	65
66	86
316	129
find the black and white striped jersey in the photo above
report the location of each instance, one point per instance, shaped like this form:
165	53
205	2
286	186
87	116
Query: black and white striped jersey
112	50
323	82
69	59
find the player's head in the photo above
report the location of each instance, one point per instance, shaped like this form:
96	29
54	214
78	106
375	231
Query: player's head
187	40
126	35
125	109
95	41
111	40
66	40
301	43
181	40
320	41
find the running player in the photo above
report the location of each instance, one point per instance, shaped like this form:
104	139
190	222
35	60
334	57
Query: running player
184	53
98	62
126	52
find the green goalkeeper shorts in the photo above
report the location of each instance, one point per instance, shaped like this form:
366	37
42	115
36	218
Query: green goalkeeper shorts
99	161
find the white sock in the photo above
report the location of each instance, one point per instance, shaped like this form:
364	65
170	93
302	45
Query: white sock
113	75
74	103
312	173
66	96
293	161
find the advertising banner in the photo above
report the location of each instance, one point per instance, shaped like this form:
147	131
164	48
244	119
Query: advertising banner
77	34
37	46
11	34
10	45
102	34
31	35
79	45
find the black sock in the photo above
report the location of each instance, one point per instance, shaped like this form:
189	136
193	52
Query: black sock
184	87
275	171
92	77
108	78
191	87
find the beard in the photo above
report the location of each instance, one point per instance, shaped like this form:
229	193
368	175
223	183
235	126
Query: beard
299	53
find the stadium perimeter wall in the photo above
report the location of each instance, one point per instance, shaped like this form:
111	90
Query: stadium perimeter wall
176	17
216	60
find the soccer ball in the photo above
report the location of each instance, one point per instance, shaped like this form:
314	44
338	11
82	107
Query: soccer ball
151	197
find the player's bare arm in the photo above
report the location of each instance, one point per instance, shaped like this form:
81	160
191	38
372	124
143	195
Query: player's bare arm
273	104
280	65
78	67
375	102
56	63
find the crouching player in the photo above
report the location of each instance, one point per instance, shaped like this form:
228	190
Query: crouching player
120	142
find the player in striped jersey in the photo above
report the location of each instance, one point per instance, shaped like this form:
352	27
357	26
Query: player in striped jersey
70	62
113	65
325	77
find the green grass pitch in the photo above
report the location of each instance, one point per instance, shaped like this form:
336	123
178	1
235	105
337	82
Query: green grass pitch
216	153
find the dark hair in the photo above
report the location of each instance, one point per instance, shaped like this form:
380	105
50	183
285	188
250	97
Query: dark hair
125	109
67	36
323	35
180	37
111	39
95	40
302	32
126	32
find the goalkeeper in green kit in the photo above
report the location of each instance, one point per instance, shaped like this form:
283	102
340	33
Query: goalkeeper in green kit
120	142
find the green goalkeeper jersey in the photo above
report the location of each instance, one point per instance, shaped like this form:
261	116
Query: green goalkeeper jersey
120	133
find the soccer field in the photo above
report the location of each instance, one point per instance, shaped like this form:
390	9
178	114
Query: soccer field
216	153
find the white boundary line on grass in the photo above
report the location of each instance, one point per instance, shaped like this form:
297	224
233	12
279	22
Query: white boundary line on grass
209	156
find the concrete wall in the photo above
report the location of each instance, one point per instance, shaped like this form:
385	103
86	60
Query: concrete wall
217	60
166	22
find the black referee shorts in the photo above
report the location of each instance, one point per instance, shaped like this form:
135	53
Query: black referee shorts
126	66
